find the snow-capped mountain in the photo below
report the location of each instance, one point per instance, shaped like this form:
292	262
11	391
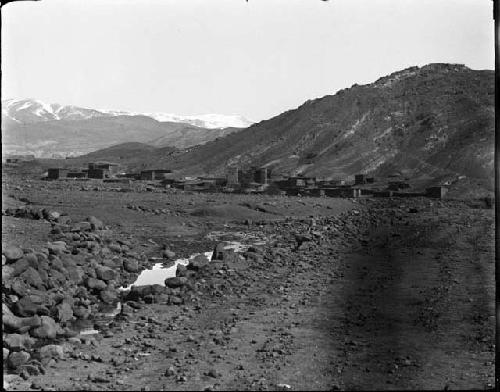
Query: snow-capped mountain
210	121
30	126
25	111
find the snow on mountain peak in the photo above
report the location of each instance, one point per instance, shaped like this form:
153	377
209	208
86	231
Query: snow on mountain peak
33	110
211	121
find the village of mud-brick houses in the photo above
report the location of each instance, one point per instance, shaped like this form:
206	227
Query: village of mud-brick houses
253	180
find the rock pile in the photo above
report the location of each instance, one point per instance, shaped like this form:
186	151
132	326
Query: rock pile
46	292
35	213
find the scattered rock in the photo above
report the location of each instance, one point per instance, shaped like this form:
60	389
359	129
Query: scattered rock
95	223
198	263
168	254
18	342
96	284
12	253
52	351
108	296
47	330
17	359
105	273
131	265
170	372
175	282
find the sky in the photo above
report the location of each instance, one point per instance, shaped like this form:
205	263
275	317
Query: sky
254	58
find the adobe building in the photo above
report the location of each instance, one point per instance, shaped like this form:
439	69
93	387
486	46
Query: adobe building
383	193
216	181
56	173
245	177
77	174
232	176
19	158
261	175
99	174
110	168
342	192
397	185
437	192
359	179
154	174
296	182
301	182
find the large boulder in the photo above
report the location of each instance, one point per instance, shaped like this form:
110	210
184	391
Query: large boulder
75	274
108	296
175	282
19	266
53	216
81	227
198	263
105	273
8	272
116	248
56	263
32	278
51	351
64	312
131	265
140	292
168	254
181	270
17	324
95	223
57	247
96	284
19	287
32	260
47	330
18	342
12	253
17	359
26	307
64	220
81	312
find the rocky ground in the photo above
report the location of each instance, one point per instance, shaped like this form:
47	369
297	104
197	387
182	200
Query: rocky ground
345	294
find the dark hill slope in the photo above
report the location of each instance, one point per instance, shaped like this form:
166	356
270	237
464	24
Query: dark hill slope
435	121
128	155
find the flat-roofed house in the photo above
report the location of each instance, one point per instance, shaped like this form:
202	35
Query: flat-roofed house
55	173
154	174
437	192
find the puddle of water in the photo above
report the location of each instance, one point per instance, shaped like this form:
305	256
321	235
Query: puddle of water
159	273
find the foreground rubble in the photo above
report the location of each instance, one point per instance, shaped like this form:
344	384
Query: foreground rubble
386	294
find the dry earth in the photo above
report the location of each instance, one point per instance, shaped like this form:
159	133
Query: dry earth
346	294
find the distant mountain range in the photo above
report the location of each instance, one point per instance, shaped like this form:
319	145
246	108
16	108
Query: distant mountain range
434	122
46	130
30	110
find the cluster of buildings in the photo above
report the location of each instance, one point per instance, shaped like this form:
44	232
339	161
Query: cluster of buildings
253	180
18	158
99	170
